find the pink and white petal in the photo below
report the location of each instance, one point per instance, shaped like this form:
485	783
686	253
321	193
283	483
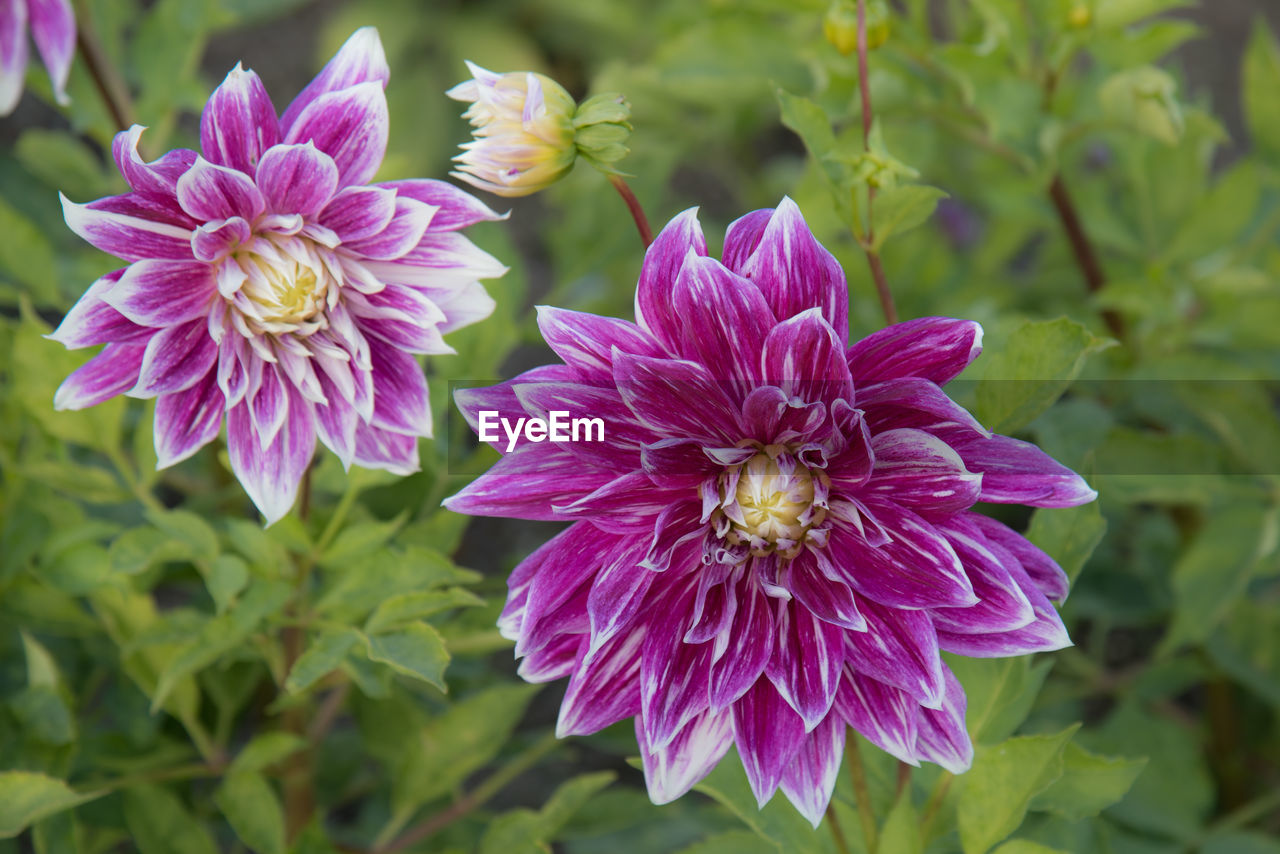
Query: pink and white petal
271	475
604	688
111	372
920	471
92	321
885	716
673	674
617	593
931	348
403	233
557	598
163	293
723	321
916	568
158	179
810	778
385	449
941	734
188	420
795	272
268	403
1017	472
769	416
746	646
806	662
359	212
743	236
336	422
805	358
359	60
211	192
899	648
1045	633
554	661
443	260
53	29
457	208
462	306
402	317
828	598
1042	569
673	770
350	125
239	122
215	240
401	402
615	445
176	358
1002	605
662	262
296	179
13	53
126	235
658	391
677	537
916	403
525	484
234	359
586	341
502	399
769	734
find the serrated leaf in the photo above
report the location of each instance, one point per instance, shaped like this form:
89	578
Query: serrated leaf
266	749
1089	783
524	831
900	209
811	124
325	654
27	797
1031	370
253	810
357	541
415	650
161	824
996	791
409	607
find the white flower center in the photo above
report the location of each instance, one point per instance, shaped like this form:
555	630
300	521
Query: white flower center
772	507
287	286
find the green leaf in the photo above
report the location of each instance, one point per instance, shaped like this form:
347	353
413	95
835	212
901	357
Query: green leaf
997	790
322	657
1114	14
810	123
1026	846
1068	535
416	650
1145	99
1240	842
57	834
1217	222
359	540
27	797
187	528
900	209
522	830
253	810
901	831
138	549
264	750
161	824
777	821
1261	75
27	256
733	842
1214	571
225	577
42	668
408	607
1089	783
1000	692
1031	370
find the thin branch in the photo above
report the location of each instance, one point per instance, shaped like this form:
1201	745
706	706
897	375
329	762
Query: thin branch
861	793
904	778
111	86
633	205
873	256
935	804
837	832
1082	248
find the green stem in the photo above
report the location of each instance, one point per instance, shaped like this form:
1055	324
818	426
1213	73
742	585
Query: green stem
633	205
109	82
837	832
868	243
345	503
934	805
861	793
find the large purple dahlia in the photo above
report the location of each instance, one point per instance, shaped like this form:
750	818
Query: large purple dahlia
267	282
775	537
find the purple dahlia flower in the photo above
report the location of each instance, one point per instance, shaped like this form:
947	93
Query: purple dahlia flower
775	538
53	28
267	282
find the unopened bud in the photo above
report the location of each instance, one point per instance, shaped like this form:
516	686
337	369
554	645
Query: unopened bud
841	25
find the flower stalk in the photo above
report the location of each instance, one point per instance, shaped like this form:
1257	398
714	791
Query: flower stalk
868	241
633	205
106	78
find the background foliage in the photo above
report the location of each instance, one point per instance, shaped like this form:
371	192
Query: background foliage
176	680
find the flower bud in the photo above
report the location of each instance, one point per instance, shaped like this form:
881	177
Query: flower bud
841	25
529	131
1144	98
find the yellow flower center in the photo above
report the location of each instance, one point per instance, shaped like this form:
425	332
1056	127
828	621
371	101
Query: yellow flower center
287	287
775	505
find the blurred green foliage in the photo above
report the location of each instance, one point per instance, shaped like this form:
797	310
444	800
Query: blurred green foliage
175	679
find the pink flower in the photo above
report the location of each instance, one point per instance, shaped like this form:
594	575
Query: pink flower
775	540
53	28
268	283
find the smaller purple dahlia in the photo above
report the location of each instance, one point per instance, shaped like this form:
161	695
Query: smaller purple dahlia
268	283
776	538
53	28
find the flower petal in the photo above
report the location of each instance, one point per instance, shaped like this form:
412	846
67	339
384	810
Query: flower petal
1017	472
271	475
769	734
157	180
915	403
745	647
296	179
13	54
211	192
1001	606
828	598
920	471
359	60
401	402
795	272
941	735
673	675
53	29
525	484
658	392
176	358
673	770
931	348
239	122
92	321
111	372
215	240
456	208
125	235
662	262
402	233
885	716
899	648
805	358
385	449
586	341
806	663
188	420
1042	569
359	212
810	778
350	125
163	293
604	688
400	316
617	593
